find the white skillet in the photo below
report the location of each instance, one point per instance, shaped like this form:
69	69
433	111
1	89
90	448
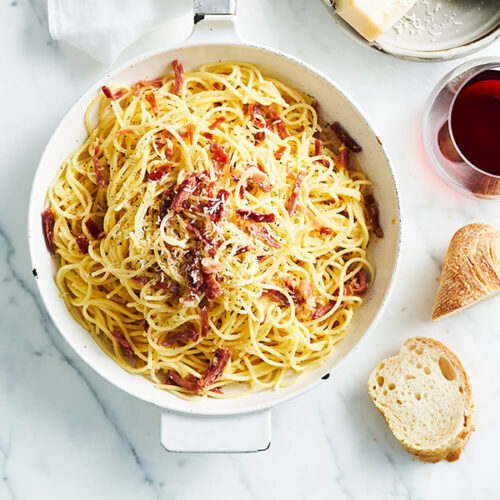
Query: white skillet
236	424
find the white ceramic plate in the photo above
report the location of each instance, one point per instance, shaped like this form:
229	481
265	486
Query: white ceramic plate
213	40
436	29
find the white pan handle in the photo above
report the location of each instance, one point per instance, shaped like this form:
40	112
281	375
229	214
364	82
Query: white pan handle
244	433
214	22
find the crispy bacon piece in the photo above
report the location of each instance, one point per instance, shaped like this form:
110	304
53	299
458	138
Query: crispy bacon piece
194	273
255	109
94	230
219	153
156	83
278	154
318	147
306	290
188	334
262	233
165	203
315	222
261	167
191	384
215	369
358	284
294	197
199	281
152	102
164	139
48	229
217	86
216	123
323	310
83	243
278	122
346	138
373	213
289	283
158	173
325	230
255	216
123	342
211	286
107	92
190	132
210	189
300	292
179	76
261	180
347	290
241	250
183	192
164	136
278	296
211	266
204	321
216	207
99	177
124	131
259	137
202	237
344	158
141	280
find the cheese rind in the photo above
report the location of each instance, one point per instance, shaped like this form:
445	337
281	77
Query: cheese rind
371	18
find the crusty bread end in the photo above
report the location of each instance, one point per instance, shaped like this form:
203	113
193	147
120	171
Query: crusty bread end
471	269
425	395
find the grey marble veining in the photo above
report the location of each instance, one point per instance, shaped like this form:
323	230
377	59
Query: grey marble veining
67	433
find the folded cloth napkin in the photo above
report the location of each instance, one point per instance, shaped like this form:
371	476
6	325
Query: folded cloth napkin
104	28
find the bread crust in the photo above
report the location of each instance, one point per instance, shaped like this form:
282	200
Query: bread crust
452	449
471	269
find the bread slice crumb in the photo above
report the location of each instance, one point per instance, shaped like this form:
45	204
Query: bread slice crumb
425	395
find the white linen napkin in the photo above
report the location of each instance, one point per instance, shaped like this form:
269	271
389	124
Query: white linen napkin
104	28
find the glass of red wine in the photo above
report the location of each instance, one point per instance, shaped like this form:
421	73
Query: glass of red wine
461	128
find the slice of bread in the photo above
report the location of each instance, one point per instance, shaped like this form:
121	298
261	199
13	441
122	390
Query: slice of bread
425	396
471	269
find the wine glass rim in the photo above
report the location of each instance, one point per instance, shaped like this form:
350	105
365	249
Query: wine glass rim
488	64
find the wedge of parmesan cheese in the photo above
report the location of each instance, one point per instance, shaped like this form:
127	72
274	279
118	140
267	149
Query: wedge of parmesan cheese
371	18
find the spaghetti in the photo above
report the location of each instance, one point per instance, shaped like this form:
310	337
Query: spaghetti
209	231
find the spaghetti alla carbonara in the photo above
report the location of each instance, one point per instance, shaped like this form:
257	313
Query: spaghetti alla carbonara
210	233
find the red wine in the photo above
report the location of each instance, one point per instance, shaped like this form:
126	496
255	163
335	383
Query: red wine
475	121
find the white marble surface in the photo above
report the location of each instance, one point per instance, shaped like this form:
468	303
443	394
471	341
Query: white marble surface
66	433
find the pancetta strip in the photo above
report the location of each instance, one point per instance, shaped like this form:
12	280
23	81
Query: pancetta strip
215	369
346	138
191	384
48	230
172	338
294	197
183	192
99	177
123	342
83	243
253	216
179	76
358	284
373	214
262	234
